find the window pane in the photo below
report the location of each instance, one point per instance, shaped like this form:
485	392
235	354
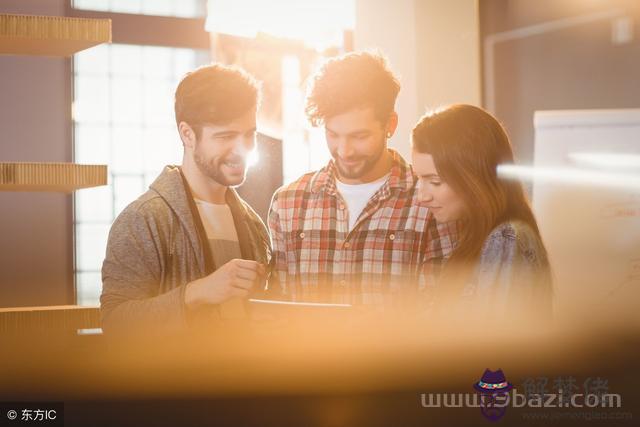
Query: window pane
92	144
162	147
126	189
157	7
126	60
185	60
94	205
91	99
89	287
126	6
158	101
157	62
91	4
127	150
178	8
127	100
91	245
94	61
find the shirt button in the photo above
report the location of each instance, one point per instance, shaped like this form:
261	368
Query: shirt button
343	283
341	206
392	237
302	235
347	245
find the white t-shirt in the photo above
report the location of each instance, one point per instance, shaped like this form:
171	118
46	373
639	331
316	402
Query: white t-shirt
357	196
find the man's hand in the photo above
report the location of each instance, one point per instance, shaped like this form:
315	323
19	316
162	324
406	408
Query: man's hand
234	279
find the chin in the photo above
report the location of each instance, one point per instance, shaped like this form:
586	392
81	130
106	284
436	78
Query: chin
235	181
353	172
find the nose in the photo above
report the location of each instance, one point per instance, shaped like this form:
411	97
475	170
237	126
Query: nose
345	150
423	193
244	146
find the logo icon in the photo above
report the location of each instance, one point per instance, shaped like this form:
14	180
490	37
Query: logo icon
493	388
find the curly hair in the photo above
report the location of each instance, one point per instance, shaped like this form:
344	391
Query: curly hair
354	80
215	94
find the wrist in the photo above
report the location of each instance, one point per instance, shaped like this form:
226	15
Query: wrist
192	297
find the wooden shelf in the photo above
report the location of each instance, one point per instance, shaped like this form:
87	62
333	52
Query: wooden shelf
50	35
61	177
46	318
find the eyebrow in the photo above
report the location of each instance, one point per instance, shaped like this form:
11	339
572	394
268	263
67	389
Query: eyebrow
430	175
355	132
233	132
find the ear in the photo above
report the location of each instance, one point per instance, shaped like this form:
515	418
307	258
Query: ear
392	124
187	135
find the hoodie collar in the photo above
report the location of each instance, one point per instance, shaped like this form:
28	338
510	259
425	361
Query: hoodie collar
173	187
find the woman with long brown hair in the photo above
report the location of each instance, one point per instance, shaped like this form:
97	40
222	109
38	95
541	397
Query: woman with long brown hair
499	266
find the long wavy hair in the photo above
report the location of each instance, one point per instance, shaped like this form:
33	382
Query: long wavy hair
467	145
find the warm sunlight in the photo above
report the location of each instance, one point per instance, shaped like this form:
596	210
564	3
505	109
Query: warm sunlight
318	24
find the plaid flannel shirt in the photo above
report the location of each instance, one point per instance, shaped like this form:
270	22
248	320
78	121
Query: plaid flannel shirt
380	262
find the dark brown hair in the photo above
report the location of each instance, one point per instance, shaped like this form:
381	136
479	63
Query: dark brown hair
354	80
467	144
215	94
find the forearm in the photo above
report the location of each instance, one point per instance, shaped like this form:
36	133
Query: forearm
123	313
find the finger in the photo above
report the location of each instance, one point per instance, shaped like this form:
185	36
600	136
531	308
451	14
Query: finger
247	275
247	264
243	284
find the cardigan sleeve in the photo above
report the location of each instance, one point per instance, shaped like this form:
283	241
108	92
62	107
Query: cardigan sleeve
131	274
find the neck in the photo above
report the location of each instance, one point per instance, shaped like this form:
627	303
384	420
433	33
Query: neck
202	187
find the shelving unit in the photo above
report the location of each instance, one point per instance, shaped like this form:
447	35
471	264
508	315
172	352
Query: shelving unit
52	36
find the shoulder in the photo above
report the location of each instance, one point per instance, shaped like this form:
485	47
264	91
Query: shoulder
513	239
150	207
301	187
514	230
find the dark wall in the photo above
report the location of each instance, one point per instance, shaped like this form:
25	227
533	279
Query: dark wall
36	240
264	178
573	68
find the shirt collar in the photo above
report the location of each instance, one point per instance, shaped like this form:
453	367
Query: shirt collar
401	177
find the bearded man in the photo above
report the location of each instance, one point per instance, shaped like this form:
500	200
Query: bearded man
190	248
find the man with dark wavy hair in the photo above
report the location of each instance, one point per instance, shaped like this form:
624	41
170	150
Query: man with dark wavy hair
190	248
355	231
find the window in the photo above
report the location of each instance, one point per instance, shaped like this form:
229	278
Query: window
177	8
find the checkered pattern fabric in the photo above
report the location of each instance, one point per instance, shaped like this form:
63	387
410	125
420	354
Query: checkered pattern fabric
381	261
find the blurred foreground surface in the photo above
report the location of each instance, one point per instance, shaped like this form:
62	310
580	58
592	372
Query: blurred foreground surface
318	372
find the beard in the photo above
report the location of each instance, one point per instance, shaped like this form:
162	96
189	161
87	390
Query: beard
363	165
218	169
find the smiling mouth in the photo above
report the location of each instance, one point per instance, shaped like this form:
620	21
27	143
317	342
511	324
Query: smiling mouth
236	165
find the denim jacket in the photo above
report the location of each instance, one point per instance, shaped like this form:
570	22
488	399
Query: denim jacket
513	276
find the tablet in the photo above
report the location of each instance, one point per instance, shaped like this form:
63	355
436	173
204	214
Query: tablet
277	308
